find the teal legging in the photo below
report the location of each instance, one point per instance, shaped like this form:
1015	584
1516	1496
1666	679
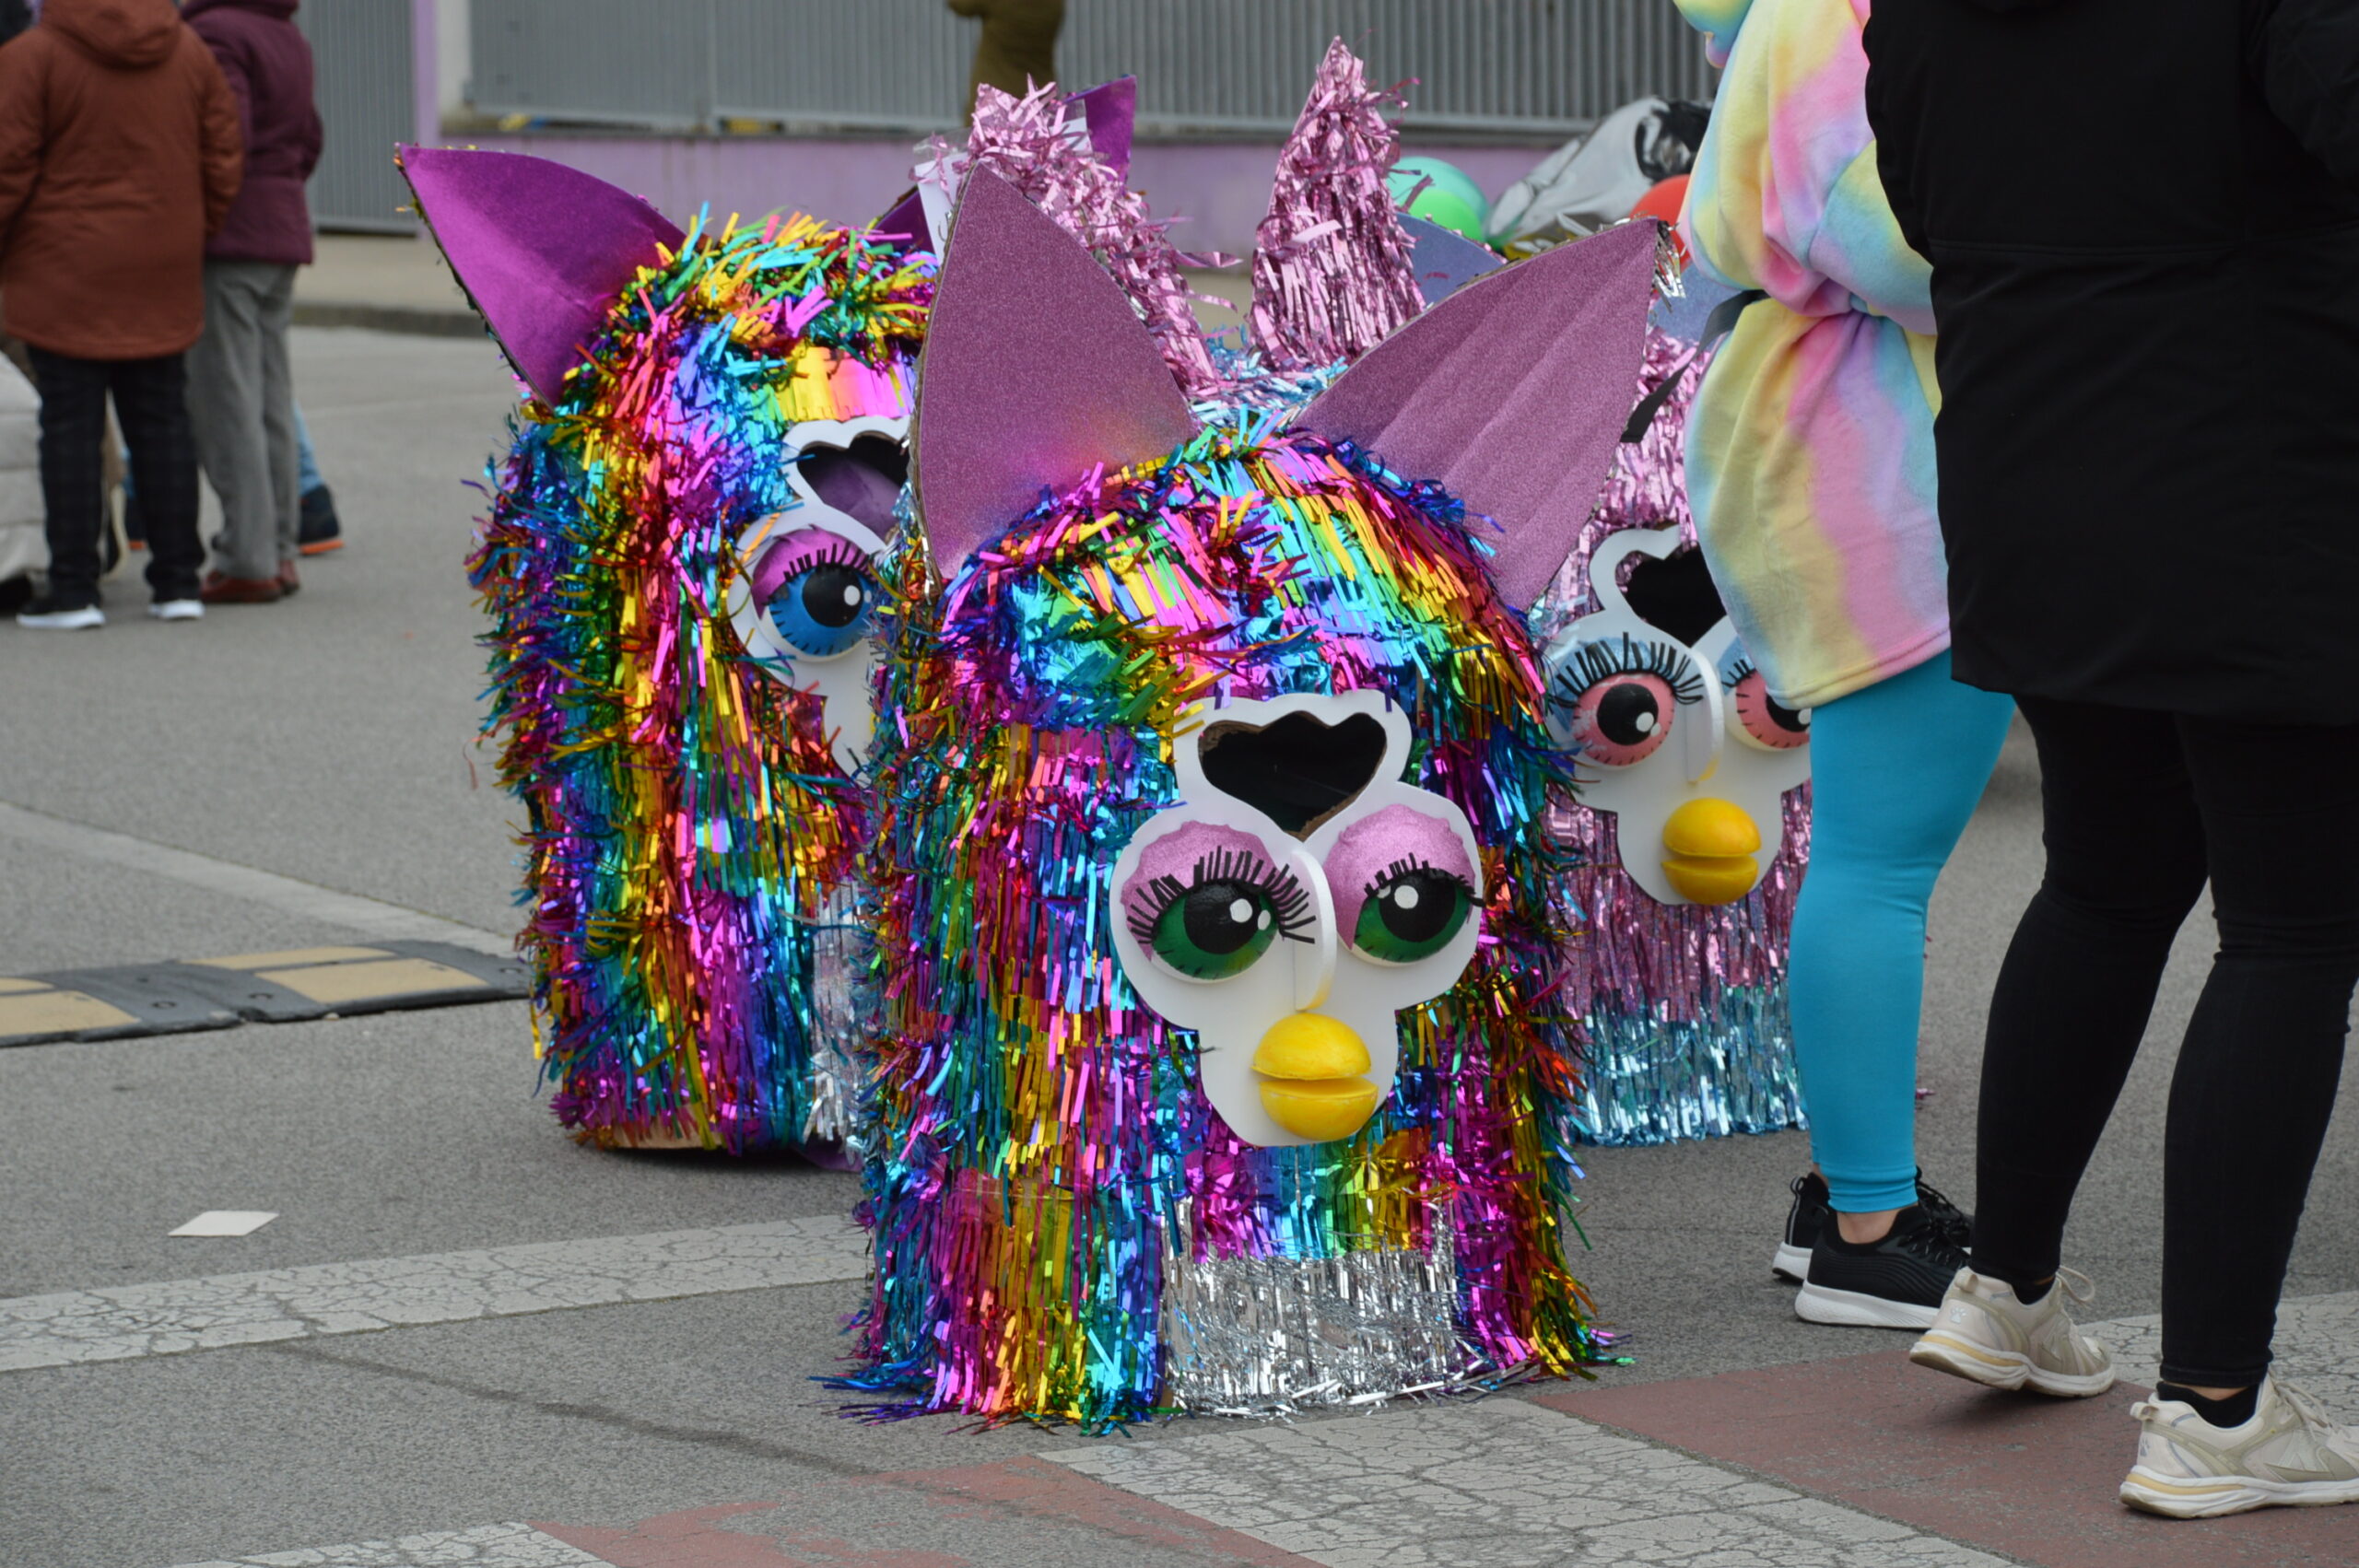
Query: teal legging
1896	771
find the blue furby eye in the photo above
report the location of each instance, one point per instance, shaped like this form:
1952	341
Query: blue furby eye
818	592
822	609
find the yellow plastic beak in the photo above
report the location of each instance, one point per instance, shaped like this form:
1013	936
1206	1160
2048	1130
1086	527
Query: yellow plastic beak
1312	1069
1712	844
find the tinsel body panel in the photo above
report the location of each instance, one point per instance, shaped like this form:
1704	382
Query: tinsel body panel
1682	1007
688	832
1047	1182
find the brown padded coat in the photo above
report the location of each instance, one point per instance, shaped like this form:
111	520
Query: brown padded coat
119	155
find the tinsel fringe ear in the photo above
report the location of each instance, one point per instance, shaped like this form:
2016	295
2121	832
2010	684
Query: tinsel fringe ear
1028	143
1332	271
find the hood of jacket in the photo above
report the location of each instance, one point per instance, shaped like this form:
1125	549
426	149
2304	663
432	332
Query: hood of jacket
127	34
278	10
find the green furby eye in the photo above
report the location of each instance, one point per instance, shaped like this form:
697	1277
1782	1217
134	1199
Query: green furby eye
1216	929
1411	914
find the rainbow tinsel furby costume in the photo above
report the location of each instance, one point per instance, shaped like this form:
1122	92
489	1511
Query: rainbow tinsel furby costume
1220	1061
679	570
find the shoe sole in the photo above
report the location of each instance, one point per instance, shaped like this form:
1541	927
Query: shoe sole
1855	1309
320	547
59	623
2178	1497
1944	1351
1792	1263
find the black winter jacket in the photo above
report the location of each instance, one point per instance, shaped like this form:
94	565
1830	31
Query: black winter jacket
2144	221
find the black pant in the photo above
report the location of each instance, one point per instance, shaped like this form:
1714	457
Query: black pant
2141	809
151	401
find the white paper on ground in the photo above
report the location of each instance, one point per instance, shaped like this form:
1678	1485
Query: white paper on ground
225	1222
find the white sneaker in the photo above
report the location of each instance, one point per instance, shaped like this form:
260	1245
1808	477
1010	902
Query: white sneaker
44	614
1983	1333
2287	1454
177	610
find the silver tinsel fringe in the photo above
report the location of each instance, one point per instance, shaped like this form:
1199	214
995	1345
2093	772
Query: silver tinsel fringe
1271	1336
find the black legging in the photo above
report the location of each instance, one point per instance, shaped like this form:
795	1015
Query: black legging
2140	808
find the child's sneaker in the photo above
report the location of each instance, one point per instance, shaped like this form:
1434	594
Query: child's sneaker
1984	1334
2287	1454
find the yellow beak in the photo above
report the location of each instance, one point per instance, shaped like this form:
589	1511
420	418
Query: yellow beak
1312	1069
1712	844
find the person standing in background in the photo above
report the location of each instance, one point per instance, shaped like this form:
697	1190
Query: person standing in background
1019	47
119	155
1810	466
242	395
2143	249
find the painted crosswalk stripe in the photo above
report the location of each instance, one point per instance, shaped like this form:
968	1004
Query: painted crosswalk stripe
491	1546
175	1316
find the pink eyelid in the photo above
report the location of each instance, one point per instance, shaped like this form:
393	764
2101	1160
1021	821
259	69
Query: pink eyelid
788	554
1382	839
1178	854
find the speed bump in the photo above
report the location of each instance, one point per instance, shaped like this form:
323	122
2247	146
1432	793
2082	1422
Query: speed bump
285	987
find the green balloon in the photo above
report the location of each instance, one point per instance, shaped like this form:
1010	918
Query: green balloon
1451	197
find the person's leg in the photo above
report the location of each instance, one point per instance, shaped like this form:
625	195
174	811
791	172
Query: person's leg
307	477
151	396
73	423
2263	1054
274	300
2124	863
224	404
1896	770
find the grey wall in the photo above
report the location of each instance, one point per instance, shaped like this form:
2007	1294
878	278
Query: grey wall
361	49
1524	69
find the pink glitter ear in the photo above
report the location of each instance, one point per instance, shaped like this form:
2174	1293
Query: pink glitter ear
1513	392
543	250
1036	372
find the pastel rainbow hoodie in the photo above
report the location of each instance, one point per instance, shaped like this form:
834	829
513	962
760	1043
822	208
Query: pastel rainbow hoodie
1810	453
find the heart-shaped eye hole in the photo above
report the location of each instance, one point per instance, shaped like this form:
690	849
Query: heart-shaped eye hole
1298	771
862	481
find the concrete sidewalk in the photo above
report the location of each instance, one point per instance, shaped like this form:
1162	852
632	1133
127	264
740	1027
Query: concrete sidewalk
467	1339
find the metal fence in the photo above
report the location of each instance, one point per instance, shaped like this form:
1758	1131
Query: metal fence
361	50
1511	68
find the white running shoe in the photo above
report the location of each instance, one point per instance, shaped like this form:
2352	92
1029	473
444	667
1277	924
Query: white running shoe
46	615
1984	1334
2288	1454
177	610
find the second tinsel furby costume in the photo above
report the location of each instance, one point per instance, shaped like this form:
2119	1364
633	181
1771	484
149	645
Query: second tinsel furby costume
1220	1061
1691	824
679	570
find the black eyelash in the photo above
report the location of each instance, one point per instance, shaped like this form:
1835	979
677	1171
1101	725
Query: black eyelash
1738	671
1403	867
1627	655
838	552
1289	900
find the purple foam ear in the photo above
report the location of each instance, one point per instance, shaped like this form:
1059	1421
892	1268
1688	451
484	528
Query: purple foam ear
903	223
543	250
1110	110
1513	391
1444	260
1035	371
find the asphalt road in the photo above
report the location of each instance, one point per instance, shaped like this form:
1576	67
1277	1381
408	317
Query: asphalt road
333	740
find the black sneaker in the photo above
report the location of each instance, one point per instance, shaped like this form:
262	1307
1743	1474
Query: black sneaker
1812	1212
1893	1284
50	613
318	531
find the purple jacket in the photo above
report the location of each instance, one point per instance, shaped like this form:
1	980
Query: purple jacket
268	66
